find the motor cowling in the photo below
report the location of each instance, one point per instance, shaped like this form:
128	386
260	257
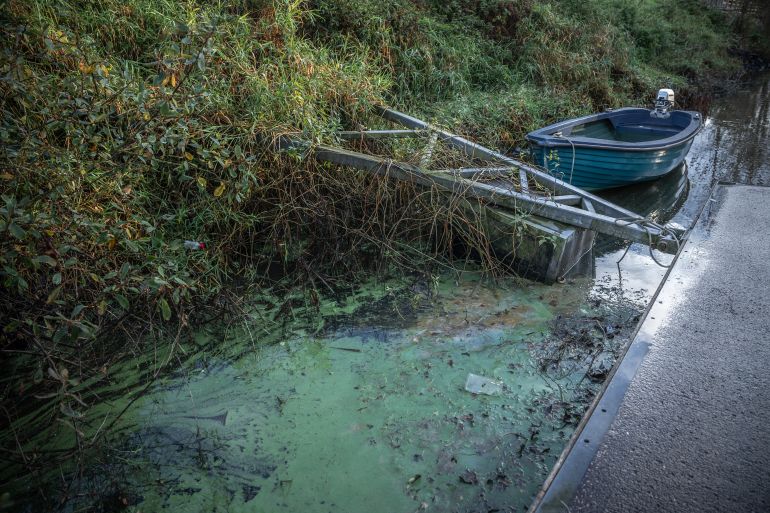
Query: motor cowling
663	103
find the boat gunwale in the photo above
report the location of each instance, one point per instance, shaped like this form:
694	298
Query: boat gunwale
544	136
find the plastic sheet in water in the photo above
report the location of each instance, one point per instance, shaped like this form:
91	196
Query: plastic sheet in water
480	385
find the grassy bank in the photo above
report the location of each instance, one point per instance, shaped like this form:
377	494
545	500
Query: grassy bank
129	127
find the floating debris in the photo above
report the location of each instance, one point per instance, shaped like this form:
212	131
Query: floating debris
413	479
481	385
350	349
221	418
469	477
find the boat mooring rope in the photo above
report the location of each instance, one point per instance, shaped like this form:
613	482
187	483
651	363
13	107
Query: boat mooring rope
647	225
558	135
562	278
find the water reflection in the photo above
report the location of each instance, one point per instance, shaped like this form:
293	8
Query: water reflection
737	143
733	146
659	201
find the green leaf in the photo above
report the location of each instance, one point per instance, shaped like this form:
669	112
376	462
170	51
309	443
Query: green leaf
45	259
166	110
53	295
76	311
85	330
165	310
56	279
17	231
122	301
60	334
124	270
69	412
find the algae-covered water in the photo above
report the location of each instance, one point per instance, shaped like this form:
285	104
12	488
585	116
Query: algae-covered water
365	407
369	415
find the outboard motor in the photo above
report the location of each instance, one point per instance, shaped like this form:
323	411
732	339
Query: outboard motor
663	103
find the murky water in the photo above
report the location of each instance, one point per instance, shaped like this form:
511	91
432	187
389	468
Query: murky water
733	146
369	412
363	406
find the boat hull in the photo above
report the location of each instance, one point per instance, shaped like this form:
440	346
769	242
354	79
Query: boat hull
615	148
596	169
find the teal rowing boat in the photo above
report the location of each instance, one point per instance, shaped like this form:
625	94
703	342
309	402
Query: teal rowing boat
615	148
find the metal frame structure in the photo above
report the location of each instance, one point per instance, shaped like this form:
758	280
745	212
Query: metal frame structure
568	204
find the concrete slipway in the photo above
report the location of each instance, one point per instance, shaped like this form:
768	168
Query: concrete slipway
683	424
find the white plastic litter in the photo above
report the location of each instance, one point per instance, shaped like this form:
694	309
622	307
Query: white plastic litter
194	245
481	385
